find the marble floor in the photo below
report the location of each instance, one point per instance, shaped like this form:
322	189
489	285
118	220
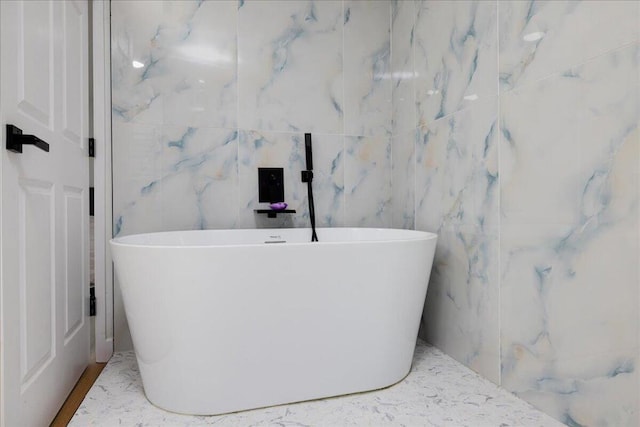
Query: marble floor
438	392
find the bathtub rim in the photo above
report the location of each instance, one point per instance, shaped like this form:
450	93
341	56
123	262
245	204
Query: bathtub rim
417	235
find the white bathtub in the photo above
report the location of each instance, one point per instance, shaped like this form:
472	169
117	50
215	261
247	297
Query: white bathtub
229	320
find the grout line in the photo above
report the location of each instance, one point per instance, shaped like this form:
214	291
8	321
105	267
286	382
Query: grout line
414	99
499	167
344	128
390	118
236	220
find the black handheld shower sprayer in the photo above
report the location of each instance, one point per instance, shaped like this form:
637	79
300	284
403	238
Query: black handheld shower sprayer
307	176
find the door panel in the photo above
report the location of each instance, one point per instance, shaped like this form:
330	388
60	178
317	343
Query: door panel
72	45
75	269
44	218
36	279
35	51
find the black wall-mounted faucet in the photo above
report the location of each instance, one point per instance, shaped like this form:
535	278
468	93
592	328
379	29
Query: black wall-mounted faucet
307	176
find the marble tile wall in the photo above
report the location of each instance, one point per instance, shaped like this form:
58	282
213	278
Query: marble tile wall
205	92
510	128
515	137
225	87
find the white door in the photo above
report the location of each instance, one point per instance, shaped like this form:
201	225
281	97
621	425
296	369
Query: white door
44	345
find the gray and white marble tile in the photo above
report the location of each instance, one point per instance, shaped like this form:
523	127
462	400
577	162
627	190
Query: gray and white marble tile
367	181
403	180
457	170
456	56
286	150
367	60
569	241
403	16
540	38
461	311
290	66
437	392
403	71
457	196
136	91
565	140
201	56
569	330
175	63
173	178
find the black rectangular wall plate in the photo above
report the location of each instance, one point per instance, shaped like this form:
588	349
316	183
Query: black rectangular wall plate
270	185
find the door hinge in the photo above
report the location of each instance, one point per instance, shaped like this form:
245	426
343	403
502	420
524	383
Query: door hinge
91	201
92	301
92	147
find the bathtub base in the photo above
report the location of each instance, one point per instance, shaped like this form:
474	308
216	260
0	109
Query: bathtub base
231	405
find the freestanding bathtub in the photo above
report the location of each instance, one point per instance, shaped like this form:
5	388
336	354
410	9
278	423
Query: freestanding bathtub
229	320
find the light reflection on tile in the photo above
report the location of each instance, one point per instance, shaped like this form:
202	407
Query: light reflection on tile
403	67
539	38
186	54
456	56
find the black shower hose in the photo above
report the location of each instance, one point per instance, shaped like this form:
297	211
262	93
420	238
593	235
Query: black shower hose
312	212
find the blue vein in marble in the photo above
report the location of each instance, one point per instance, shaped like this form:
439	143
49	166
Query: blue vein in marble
380	64
443	89
570	422
258	143
180	143
542	273
593	220
117	226
338	194
281	49
596	198
336	105
557	385
571	74
191	164
296	151
146	190
311	16
531	11
119	222
194	162
281	46
509	79
128	114
202	222
149	69
626	367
